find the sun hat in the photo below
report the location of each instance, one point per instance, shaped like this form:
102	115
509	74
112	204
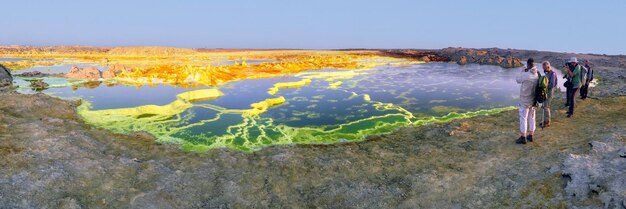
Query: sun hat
573	59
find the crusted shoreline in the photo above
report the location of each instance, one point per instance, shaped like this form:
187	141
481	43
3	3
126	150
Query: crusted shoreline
50	158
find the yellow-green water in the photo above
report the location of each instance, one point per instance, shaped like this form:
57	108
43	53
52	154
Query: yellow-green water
323	106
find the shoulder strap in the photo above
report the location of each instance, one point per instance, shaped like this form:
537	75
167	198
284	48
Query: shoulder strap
554	77
538	73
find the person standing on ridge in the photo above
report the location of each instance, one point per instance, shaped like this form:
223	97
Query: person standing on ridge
574	72
584	90
528	78
552	81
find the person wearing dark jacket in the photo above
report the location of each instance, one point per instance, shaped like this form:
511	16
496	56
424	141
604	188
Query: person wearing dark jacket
584	89
552	81
574	72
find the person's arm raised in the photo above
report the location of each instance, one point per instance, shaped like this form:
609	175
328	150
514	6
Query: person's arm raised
520	76
570	72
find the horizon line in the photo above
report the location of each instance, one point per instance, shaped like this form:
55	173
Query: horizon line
330	49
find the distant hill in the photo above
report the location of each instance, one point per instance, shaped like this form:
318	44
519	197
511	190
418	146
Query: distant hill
52	49
151	50
130	50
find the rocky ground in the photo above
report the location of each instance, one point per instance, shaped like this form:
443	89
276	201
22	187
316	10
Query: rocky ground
50	159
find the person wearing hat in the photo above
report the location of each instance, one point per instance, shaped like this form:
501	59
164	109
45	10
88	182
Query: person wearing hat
574	73
528	78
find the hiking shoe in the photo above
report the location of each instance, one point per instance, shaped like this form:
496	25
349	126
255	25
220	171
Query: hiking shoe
521	140
546	124
570	115
529	138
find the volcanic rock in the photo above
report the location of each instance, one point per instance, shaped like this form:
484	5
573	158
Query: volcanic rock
600	172
511	62
115	70
462	60
91	73
38	85
5	77
33	74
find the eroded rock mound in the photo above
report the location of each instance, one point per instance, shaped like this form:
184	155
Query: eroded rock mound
462	60
492	59
423	55
33	74
511	62
38	85
601	172
5	77
464	56
91	73
115	70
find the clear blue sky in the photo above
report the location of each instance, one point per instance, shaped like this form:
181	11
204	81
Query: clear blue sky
556	25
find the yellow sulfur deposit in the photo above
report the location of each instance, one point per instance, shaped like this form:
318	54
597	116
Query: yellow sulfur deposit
199	95
150	112
295	84
335	85
261	107
147	112
192	73
366	97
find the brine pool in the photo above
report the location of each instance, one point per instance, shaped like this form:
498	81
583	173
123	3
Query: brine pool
320	106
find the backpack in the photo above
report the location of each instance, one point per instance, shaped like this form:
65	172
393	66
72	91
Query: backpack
583	73
541	90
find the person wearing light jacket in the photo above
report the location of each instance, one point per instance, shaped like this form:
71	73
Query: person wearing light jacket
584	89
528	78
